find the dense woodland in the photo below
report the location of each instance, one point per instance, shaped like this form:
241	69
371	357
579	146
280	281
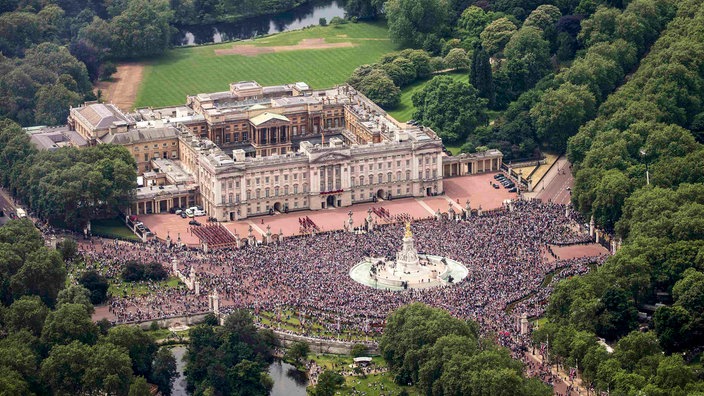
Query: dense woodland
442	355
48	342
67	187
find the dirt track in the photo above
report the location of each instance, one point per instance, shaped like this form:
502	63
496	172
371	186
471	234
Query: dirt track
122	90
305	44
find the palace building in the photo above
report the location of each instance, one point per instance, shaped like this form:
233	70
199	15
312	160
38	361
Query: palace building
252	150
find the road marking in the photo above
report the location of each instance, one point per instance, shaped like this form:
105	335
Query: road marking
425	206
256	227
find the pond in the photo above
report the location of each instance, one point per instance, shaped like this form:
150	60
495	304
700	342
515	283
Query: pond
287	380
179	386
297	18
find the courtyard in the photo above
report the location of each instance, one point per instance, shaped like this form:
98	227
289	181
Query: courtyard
476	188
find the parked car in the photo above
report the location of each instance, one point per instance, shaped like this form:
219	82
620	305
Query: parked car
512	190
183	215
494	185
175	210
194	222
198	213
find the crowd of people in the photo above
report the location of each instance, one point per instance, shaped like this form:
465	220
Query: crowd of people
505	252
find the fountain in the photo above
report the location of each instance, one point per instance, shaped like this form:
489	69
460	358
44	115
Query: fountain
409	269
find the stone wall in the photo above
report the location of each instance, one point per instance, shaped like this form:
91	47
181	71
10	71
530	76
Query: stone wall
318	345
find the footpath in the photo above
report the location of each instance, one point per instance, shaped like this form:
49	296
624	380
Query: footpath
563	383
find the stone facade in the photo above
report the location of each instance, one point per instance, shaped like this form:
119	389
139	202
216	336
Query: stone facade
252	150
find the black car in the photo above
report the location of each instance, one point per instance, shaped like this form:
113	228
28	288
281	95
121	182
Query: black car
174	209
194	222
183	215
498	176
512	190
495	185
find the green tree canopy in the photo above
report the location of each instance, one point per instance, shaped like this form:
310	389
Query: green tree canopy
452	108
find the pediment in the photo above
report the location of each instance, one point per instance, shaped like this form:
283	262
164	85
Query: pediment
427	146
332	157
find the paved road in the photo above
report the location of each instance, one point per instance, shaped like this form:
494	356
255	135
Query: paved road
558	183
6	206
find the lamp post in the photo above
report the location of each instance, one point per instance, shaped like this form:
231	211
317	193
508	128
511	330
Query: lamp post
647	171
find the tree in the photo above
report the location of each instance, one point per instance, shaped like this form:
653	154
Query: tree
328	383
409	329
96	284
139	387
379	88
359	350
452	108
671	327
496	35
527	58
12	383
68	323
298	351
231	361
560	112
600	27
457	59
108	370
164	370
68	248
142	29
75	294
543	17
323	22
480	75
363	9
140	346
63	370
473	21
53	104
28	312
634	347
43	273
413	22
617	315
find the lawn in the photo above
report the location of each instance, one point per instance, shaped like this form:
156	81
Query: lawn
404	111
119	288
112	228
378	384
193	70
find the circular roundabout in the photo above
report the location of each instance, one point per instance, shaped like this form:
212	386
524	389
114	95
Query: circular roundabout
409	270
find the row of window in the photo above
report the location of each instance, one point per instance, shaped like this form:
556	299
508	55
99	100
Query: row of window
362	193
156	146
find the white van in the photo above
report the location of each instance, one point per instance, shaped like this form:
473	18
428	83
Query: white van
198	212
21	213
